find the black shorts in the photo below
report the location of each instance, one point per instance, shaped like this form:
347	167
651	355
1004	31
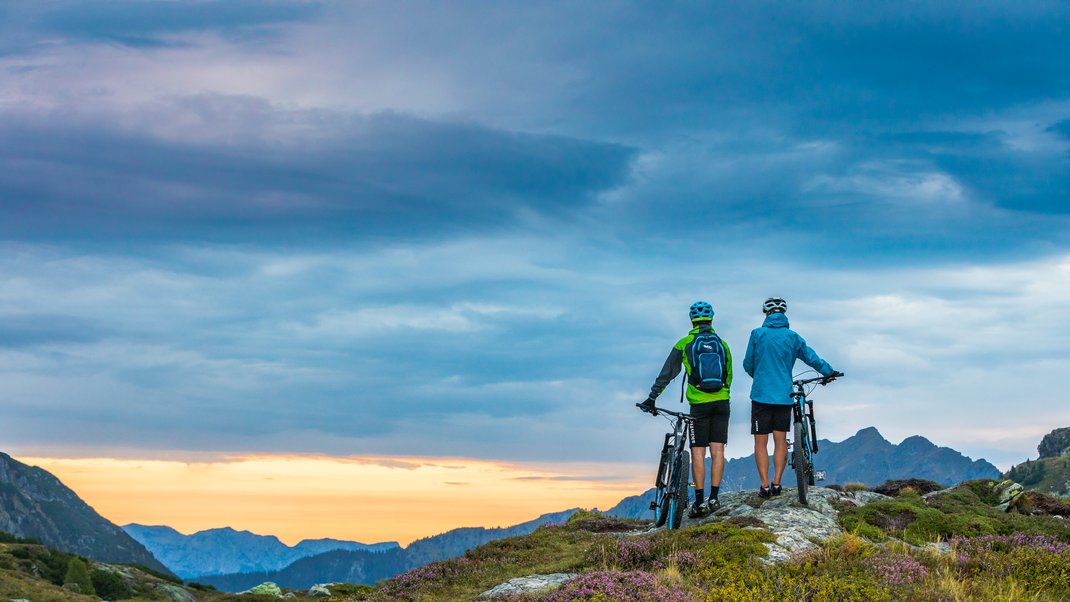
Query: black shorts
711	423
768	417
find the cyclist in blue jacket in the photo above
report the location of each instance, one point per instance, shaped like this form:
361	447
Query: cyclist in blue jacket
771	354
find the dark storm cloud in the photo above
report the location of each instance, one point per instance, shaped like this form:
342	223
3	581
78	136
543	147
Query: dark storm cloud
381	174
142	24
817	66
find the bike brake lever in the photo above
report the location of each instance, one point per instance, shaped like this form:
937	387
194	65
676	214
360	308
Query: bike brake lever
653	412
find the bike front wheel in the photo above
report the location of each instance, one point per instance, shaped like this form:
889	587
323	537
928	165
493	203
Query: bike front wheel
678	489
663	496
801	462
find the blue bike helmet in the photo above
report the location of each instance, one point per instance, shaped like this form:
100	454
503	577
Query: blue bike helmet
701	312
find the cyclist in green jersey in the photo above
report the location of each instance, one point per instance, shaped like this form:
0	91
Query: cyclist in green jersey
707	361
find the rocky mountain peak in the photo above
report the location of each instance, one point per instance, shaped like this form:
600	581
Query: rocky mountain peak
916	444
868	434
1055	443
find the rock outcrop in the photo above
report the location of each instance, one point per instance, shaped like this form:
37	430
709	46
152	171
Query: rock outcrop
35	504
797	528
1055	443
527	585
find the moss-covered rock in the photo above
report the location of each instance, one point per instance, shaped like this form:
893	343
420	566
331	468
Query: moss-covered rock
893	488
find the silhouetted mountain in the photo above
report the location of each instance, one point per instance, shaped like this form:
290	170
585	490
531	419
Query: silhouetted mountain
35	504
361	566
221	551
865	457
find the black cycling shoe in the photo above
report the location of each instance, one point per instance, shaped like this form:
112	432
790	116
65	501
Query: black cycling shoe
776	489
696	510
764	492
712	506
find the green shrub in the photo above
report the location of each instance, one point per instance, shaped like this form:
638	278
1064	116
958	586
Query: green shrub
110	586
50	565
596	522
77	577
348	590
6	537
964	512
719	543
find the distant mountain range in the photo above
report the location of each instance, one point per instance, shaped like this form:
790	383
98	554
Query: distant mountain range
35	504
866	457
221	551
362	566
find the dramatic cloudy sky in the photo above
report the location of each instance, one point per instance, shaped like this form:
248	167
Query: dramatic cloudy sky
472	230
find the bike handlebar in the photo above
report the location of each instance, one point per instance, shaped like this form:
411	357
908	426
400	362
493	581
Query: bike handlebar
658	410
824	380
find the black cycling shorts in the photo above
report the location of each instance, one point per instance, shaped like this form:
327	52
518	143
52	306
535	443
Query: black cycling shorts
711	423
768	417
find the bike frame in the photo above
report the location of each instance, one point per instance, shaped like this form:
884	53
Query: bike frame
805	429
803	413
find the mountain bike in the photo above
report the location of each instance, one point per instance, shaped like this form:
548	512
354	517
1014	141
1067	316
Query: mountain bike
674	470
805	431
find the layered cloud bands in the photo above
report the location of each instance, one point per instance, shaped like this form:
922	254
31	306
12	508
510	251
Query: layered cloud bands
473	230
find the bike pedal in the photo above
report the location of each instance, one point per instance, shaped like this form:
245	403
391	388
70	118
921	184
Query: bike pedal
653	505
819	475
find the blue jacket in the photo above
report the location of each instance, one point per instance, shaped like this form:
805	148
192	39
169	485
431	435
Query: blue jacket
771	354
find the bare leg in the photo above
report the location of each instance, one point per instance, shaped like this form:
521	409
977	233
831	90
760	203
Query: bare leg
780	455
761	458
698	468
716	463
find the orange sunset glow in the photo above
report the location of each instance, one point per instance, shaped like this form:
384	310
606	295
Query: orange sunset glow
367	499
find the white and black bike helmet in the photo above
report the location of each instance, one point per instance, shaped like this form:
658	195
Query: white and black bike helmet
774	304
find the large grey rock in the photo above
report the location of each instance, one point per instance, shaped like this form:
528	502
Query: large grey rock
529	584
798	528
319	591
264	589
1007	491
863	497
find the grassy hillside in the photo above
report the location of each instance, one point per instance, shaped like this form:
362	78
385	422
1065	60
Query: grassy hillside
35	572
953	544
1050	475
918	541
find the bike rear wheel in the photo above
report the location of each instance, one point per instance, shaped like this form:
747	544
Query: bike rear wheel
678	489
801	462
